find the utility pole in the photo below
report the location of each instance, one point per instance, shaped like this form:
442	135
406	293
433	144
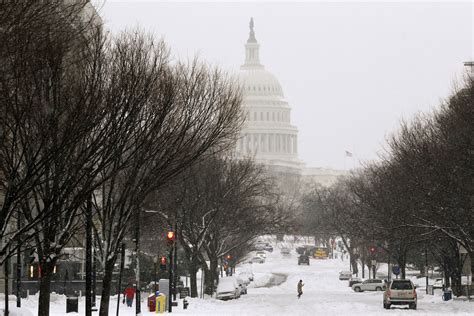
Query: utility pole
137	276
170	236
89	257
18	264
175	269
170	288
6	263
426	267
122	264
94	275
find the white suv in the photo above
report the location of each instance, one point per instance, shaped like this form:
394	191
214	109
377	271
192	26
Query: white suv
369	285
400	292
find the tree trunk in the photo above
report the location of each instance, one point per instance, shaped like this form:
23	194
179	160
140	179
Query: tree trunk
192	278
355	268
214	273
45	287
106	286
207	279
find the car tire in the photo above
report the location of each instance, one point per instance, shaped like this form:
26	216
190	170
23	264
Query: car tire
357	289
413	306
386	306
378	288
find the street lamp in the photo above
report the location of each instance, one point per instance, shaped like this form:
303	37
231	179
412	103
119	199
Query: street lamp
155	261
170	236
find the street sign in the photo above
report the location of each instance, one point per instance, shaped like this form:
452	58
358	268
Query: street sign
396	270
374	262
183	292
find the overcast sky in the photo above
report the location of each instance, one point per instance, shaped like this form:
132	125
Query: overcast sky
349	70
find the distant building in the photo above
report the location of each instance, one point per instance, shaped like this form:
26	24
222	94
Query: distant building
470	68
268	134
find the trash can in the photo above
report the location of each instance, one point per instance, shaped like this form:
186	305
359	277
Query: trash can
151	303
72	304
160	303
447	295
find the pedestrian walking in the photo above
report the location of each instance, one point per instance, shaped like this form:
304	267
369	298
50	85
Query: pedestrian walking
299	288
128	294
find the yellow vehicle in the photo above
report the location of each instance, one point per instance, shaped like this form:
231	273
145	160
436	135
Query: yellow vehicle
321	253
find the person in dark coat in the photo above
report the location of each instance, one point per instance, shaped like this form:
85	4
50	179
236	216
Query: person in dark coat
299	288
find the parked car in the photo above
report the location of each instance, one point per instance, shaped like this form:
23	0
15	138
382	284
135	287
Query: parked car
244	277
353	281
242	285
303	259
345	275
400	292
259	246
438	284
268	248
369	285
285	251
261	254
257	259
227	289
246	274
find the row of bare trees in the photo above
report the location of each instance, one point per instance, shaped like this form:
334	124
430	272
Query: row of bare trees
87	117
217	208
418	200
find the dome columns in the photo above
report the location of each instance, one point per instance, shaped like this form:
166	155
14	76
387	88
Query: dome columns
268	143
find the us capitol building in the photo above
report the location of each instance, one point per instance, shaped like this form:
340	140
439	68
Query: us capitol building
268	134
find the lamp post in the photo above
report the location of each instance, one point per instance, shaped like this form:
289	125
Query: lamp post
155	261
170	236
137	272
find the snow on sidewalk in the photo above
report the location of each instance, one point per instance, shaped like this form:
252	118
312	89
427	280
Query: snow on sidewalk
323	294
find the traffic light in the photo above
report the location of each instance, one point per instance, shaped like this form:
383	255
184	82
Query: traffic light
163	263
372	249
170	236
228	257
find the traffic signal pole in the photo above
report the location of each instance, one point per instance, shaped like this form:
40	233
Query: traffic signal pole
137	275
170	236
170	283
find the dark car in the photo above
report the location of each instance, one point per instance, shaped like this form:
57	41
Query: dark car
303	259
300	250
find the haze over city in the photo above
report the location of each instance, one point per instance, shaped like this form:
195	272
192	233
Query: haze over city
351	71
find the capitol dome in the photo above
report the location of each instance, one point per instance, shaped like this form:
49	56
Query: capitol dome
268	134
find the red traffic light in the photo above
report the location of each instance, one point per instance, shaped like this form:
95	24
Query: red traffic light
372	249
228	257
163	260
170	236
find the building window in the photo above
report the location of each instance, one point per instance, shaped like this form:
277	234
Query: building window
254	116
268	116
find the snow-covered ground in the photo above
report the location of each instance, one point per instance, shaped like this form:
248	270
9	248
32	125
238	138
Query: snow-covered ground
323	294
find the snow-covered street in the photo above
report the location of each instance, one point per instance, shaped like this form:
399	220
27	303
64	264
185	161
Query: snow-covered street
323	294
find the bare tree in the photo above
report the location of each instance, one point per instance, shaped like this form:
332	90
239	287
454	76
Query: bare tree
185	111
